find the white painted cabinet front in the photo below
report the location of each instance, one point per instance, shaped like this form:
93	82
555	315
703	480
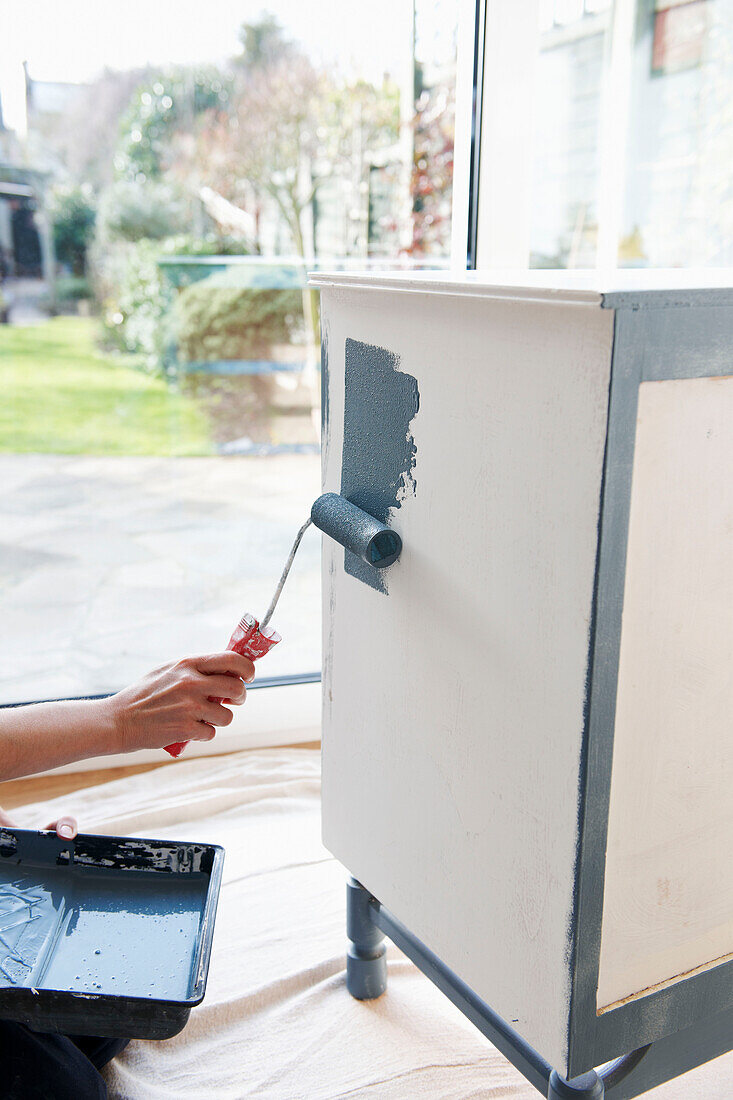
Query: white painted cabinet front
470	776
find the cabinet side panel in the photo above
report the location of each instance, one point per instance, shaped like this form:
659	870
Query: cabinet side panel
453	702
668	898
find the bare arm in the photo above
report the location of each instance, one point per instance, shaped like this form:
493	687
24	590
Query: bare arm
173	703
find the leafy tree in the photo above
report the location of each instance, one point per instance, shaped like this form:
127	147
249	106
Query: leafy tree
431	182
266	135
131	211
263	42
134	303
72	215
86	136
286	129
161	106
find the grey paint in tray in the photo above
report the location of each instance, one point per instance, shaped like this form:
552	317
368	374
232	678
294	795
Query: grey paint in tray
104	932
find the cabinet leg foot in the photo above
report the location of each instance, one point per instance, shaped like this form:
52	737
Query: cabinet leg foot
366	959
588	1087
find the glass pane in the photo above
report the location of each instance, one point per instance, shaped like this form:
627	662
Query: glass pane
166	181
678	204
567	126
671	203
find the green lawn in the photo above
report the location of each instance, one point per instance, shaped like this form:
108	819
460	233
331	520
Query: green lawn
59	395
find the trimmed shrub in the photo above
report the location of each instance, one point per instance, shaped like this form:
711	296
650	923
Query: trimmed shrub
215	321
136	300
72	288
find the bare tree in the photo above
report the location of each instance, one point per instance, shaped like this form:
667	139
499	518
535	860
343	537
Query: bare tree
89	134
287	129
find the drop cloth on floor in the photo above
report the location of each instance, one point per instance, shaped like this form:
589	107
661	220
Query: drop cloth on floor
277	1022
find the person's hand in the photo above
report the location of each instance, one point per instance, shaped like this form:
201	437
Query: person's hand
181	701
65	827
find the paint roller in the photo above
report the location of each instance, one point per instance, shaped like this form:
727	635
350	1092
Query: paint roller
349	525
362	534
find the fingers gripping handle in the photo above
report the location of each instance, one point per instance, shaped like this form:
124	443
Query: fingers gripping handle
249	641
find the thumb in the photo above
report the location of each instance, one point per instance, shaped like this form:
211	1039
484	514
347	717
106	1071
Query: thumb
66	827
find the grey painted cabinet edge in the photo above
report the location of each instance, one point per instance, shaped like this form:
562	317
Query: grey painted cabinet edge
657	336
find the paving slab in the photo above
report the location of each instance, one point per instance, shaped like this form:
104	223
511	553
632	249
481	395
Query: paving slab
109	566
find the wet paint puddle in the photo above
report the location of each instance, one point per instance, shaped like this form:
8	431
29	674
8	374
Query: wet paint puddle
75	928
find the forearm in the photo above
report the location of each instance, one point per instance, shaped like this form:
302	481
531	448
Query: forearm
46	735
176	702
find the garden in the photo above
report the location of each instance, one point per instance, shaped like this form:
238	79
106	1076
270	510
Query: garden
61	395
170	329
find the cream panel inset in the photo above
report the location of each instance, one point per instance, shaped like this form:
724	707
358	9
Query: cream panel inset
668	899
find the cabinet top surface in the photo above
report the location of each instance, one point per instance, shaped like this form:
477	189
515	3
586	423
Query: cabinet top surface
623	289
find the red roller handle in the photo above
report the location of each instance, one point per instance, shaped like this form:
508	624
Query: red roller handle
249	641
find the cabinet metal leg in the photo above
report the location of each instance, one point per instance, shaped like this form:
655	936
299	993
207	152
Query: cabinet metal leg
366	959
366	977
588	1087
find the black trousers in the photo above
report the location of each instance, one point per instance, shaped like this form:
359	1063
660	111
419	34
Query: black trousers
53	1067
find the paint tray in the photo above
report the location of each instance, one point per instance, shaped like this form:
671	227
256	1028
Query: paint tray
105	935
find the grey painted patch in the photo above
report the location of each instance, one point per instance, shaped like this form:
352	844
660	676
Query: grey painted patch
379	455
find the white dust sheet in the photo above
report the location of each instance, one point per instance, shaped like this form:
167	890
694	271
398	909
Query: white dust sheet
277	1021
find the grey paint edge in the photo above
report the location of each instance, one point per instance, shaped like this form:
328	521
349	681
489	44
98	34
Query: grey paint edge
613	528
576	917
668	299
677	1054
649	346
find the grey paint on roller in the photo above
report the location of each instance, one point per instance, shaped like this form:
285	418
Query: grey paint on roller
379	455
373	542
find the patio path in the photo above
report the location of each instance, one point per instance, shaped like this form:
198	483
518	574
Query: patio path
109	566
27	301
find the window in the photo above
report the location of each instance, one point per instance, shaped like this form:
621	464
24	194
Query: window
607	132
167	179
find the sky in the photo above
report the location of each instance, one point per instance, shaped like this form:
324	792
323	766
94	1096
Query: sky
73	40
